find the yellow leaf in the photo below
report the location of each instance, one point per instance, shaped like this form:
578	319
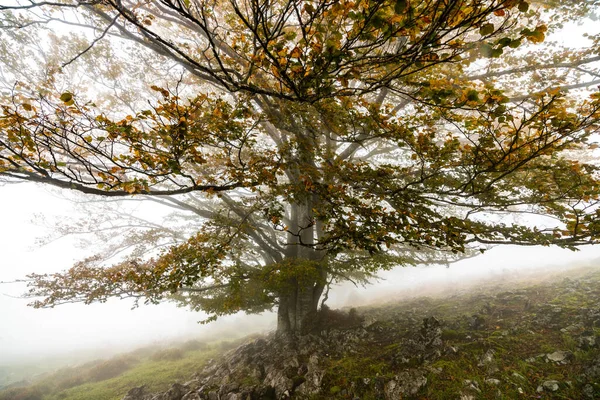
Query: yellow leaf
296	53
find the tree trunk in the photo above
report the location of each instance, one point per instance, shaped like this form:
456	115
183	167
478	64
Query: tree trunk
298	310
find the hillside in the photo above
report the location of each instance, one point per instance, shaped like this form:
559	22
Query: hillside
493	341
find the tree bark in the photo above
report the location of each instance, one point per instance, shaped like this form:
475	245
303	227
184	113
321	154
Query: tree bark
297	310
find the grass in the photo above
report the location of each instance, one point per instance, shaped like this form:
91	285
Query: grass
111	379
520	324
156	375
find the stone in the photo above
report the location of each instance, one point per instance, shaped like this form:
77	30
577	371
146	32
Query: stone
492	381
138	393
586	342
406	383
192	396
476	322
548	386
175	392
519	376
488	361
431	333
560	357
588	392
472	385
213	395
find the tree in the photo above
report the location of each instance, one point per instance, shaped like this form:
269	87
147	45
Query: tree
313	141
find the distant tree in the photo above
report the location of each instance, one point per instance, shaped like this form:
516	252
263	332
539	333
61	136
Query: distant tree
312	140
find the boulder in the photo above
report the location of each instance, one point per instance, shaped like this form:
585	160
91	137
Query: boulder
407	383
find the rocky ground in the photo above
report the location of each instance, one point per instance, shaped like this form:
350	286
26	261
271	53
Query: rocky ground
504	341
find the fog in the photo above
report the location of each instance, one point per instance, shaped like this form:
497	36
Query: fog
27	334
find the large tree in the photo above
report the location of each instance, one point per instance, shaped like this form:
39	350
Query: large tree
312	140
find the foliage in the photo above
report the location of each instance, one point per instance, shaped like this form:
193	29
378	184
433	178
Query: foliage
312	141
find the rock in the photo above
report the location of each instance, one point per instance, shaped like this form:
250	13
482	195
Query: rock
138	393
586	342
175	392
431	333
548	386
492	381
588	392
519	376
592	371
488	361
212	395
264	393
560	357
407	383
230	387
476	322
472	385
281	383
191	396
573	328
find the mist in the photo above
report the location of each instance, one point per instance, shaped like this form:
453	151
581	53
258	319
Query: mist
99	330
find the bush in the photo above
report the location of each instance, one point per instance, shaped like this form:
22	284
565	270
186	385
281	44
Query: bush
168	355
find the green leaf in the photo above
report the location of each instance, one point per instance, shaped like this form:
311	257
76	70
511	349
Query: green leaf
486	29
515	43
66	97
400	6
486	50
523	6
473	95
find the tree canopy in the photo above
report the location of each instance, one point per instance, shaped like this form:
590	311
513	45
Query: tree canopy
313	141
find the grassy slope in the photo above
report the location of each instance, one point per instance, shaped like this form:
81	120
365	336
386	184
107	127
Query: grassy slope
111	379
156	375
517	321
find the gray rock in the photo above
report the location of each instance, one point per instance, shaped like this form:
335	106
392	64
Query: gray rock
476	322
212	395
588	392
281	383
488	361
586	342
407	383
492	381
192	396
560	357
431	333
548	386
138	393
472	385
519	376
572	328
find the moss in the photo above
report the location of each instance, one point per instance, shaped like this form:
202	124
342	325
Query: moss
451	334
